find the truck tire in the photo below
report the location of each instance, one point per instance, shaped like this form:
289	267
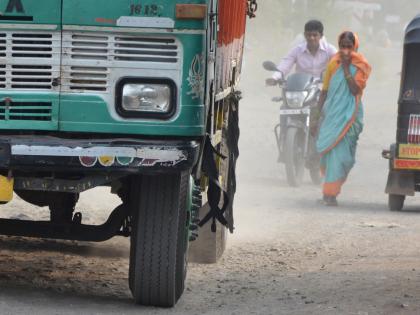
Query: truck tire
396	202
294	159
183	237
159	238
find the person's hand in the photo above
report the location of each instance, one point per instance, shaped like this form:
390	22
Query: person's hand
345	59
314	129
271	82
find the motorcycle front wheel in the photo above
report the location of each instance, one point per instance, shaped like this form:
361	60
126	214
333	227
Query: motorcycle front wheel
294	156
313	162
316	177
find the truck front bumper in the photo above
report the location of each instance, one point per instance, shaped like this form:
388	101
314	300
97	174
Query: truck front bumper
45	153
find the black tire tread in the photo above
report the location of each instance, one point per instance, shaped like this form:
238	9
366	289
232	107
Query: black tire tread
153	255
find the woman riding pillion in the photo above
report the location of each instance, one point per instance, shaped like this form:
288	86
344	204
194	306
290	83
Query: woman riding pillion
342	115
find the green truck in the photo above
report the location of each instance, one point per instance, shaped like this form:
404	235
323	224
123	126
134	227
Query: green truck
136	95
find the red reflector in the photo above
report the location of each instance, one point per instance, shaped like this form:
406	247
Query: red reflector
401	164
191	11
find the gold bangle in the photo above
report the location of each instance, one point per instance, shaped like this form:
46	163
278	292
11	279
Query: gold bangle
348	77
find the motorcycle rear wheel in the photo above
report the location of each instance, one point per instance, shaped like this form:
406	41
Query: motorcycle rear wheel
294	159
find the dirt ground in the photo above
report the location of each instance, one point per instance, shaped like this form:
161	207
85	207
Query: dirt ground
289	255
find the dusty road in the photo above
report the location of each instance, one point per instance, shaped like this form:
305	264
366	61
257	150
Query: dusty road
289	255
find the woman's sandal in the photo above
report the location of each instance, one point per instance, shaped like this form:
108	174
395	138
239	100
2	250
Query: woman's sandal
330	201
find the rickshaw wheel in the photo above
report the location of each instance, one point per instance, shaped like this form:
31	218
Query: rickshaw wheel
396	202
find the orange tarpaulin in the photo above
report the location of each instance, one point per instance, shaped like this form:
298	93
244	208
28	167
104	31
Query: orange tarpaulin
232	19
232	15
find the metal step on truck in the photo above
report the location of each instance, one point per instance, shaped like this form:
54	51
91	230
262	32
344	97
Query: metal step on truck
139	96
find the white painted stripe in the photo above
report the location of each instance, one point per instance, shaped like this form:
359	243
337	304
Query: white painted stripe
158	154
148	22
132	30
66	151
161	155
29	26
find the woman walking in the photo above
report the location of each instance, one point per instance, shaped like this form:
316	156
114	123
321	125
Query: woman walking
342	114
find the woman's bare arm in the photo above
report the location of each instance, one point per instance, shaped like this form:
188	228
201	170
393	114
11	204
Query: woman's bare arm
354	88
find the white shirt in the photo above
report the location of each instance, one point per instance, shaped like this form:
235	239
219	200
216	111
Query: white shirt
305	61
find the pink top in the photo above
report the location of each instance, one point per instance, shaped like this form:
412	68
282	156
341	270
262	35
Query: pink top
305	61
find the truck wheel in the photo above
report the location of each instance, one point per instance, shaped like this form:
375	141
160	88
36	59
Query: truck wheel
183	238
159	239
396	202
294	159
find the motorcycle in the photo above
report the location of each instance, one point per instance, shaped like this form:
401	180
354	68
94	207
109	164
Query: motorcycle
296	144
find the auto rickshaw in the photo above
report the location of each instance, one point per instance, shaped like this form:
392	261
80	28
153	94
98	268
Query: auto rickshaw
404	155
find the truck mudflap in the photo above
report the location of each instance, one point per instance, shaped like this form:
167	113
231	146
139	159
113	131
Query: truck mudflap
125	155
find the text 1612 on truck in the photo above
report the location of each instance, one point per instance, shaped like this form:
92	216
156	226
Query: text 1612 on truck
139	96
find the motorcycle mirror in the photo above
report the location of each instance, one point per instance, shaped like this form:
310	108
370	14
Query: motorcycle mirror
271	82
277	99
270	66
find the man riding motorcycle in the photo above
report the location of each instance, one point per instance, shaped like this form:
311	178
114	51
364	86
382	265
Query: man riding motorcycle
296	146
311	56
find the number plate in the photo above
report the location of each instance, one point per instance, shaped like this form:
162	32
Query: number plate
294	111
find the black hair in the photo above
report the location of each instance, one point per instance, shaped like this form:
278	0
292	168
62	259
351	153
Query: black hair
347	35
314	26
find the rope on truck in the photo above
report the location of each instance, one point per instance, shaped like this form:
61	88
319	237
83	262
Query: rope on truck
252	8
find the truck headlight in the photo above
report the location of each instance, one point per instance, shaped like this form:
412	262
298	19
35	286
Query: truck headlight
140	98
146	98
296	99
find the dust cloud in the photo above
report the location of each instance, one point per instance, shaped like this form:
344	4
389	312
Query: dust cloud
288	255
279	25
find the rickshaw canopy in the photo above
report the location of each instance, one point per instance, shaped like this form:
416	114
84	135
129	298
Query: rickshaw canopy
412	31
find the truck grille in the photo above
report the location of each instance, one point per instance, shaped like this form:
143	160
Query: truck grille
95	61
121	47
76	61
33	60
37	111
80	78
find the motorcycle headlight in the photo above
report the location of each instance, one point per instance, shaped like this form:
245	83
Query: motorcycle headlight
296	99
146	99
